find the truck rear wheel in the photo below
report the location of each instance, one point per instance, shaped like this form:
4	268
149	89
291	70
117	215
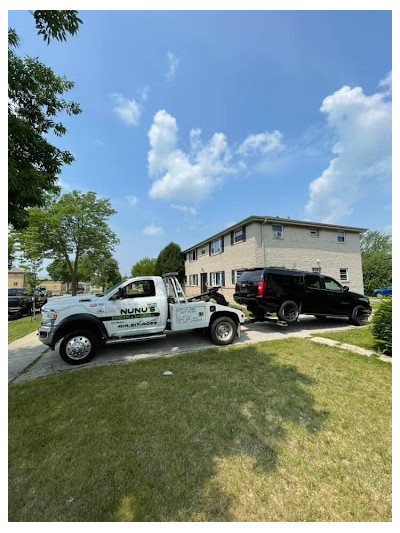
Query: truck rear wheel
223	330
288	312
78	347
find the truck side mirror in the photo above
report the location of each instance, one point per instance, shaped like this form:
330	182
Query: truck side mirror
119	294
345	288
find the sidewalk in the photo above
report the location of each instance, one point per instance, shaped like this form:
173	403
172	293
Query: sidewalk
22	353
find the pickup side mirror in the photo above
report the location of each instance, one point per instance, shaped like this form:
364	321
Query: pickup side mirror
345	288
119	294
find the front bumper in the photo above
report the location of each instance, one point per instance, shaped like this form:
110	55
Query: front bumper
46	334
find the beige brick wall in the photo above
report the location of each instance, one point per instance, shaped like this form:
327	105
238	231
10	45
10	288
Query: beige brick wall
297	249
16	280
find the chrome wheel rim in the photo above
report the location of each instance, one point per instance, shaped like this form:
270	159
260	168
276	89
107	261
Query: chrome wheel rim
224	330
78	347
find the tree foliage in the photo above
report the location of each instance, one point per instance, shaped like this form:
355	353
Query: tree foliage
70	227
35	98
170	259
381	326
376	256
144	267
100	268
11	249
58	271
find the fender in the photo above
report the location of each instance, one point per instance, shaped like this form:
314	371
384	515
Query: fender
81	320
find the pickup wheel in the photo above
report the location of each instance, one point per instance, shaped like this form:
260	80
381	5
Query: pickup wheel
359	316
78	347
223	330
288	312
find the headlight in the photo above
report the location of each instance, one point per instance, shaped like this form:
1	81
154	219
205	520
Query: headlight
48	315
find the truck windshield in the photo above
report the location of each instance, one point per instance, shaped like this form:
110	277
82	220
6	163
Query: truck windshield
109	290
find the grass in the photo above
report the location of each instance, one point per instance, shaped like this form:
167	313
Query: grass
361	336
275	431
21	327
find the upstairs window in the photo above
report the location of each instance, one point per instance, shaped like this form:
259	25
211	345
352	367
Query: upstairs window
203	251
314	232
193	256
277	231
341	236
217	246
239	235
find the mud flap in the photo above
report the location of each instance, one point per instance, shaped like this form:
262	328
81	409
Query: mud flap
238	330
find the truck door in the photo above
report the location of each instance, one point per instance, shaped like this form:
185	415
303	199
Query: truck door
134	310
337	299
313	300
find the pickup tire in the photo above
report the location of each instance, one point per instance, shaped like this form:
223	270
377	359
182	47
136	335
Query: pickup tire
223	330
78	347
288	312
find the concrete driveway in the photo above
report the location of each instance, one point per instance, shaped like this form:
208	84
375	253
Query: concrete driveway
28	358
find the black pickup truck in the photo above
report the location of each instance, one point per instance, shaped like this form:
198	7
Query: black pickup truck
20	302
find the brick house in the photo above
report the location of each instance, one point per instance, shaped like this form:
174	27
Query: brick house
258	241
16	278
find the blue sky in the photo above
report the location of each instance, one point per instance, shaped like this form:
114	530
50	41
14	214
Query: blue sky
194	120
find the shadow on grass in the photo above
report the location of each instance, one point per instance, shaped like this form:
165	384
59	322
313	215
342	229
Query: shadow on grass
127	443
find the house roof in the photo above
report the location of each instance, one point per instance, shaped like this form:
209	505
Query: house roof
276	220
15	270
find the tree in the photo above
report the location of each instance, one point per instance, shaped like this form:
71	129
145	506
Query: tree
144	267
170	259
58	271
101	269
70	227
34	100
11	249
30	258
376	256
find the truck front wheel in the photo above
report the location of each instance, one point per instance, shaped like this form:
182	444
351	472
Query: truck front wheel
78	347
223	330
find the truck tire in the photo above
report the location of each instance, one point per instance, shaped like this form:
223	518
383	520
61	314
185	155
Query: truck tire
223	330
358	316
78	347
288	312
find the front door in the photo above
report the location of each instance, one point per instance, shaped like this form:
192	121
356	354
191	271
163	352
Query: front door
134	311
203	282
336	298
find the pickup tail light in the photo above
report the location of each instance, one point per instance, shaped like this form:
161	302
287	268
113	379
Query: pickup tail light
261	288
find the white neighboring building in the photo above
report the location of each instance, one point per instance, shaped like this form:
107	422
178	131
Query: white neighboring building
260	241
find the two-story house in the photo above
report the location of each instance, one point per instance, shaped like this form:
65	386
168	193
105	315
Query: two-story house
260	241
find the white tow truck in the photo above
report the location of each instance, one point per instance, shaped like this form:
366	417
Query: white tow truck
140	308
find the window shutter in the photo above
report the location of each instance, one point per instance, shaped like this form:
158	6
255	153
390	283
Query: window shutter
223	279
232	237
209	248
222	243
244	233
233	277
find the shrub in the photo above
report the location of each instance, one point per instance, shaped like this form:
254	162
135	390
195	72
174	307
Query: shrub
381	326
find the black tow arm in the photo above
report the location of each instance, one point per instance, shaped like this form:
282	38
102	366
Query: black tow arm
206	296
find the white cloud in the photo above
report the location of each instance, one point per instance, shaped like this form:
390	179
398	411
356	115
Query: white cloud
153	230
173	62
133	200
363	128
127	110
387	82
263	143
181	176
144	93
185	209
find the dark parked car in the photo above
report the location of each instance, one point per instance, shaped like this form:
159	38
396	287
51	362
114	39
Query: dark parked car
292	292
20	302
385	291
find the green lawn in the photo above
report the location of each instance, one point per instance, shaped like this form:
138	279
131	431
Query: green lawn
358	336
275	431
21	327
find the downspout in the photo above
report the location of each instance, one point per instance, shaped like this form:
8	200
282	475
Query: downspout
263	240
